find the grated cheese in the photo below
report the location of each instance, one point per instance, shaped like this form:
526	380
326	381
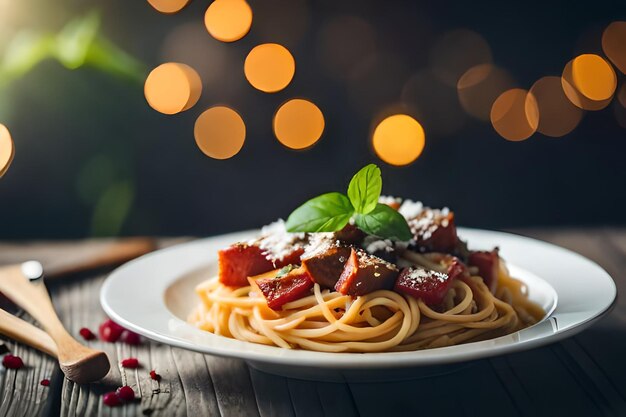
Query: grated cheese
410	209
276	242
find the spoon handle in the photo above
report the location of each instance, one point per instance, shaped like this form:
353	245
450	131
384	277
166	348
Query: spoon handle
34	298
24	332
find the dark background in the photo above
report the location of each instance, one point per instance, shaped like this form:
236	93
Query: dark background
92	158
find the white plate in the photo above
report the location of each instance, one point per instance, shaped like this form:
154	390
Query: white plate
152	296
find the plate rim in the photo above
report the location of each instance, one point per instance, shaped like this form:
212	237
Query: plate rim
346	361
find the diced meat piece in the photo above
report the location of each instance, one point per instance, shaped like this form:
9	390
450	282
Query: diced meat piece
292	258
365	273
239	261
429	286
453	265
281	290
326	267
434	231
324	258
350	235
456	268
488	264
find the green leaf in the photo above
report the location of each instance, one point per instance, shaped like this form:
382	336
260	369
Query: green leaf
325	213
364	189
385	222
285	270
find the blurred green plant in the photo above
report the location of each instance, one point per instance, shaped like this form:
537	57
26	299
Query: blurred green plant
78	44
112	208
104	184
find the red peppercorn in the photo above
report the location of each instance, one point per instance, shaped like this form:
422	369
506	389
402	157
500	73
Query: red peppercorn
111	399
110	331
87	334
154	375
12	362
131	338
45	382
130	363
125	393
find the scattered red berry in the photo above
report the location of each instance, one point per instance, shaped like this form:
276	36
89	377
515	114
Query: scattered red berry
87	334
154	375
125	393
45	382
131	338
110	331
111	399
12	362
130	363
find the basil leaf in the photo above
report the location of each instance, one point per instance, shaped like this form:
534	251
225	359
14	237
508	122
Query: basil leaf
365	188
385	222
325	213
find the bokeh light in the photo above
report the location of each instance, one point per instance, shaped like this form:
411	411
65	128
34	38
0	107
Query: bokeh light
220	132
515	115
593	77
172	88
7	149
228	20
398	139
343	43
269	67
557	115
169	6
456	52
574	95
298	124
479	87
614	44
434	103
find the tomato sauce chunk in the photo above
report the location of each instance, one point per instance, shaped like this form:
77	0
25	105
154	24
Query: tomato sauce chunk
488	264
242	260
283	289
429	286
364	273
434	231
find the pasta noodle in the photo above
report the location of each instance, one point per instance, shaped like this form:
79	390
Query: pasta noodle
383	320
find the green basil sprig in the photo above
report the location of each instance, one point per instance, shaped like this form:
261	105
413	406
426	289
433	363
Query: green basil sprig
332	211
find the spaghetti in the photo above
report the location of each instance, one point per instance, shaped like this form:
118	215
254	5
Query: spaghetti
383	320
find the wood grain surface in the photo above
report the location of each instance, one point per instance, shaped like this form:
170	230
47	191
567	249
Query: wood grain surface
582	376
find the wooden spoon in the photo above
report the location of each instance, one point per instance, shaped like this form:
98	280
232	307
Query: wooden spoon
79	363
24	332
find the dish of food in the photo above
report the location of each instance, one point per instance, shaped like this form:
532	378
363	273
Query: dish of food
435	300
338	288
351	327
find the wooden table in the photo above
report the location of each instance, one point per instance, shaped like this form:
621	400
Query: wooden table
582	376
